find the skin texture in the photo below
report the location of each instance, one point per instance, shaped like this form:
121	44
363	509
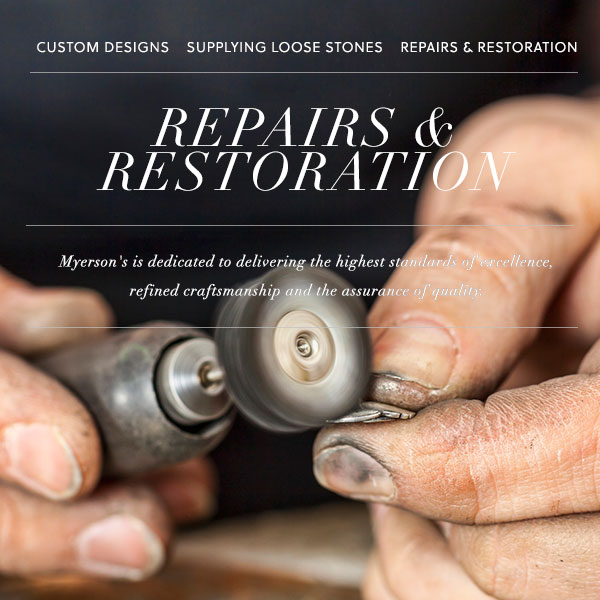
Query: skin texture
491	494
53	515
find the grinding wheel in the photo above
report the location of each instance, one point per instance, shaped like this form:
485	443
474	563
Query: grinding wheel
298	360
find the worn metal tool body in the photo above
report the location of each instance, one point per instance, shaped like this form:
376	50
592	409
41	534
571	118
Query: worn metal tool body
122	379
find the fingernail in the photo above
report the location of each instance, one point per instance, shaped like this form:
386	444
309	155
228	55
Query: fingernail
351	472
419	351
120	547
40	459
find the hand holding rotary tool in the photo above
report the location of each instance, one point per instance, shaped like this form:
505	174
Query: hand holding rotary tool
156	394
164	392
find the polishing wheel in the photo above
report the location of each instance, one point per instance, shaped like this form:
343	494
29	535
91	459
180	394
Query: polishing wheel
296	360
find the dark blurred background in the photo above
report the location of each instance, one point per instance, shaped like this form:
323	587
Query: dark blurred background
56	132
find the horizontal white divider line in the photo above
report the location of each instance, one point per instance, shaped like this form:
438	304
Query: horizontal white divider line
297	225
308	327
303	72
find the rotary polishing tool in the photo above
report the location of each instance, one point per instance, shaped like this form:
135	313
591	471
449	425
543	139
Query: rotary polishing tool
164	392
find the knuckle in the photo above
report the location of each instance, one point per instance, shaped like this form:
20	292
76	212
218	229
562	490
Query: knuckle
477	252
467	455
467	244
447	444
506	448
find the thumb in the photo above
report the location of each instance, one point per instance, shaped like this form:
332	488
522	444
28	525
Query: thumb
34	319
447	345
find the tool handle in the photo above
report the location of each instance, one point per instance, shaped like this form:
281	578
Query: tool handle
115	379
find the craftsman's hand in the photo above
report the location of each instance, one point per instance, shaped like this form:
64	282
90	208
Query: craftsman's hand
52	516
526	455
518	473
